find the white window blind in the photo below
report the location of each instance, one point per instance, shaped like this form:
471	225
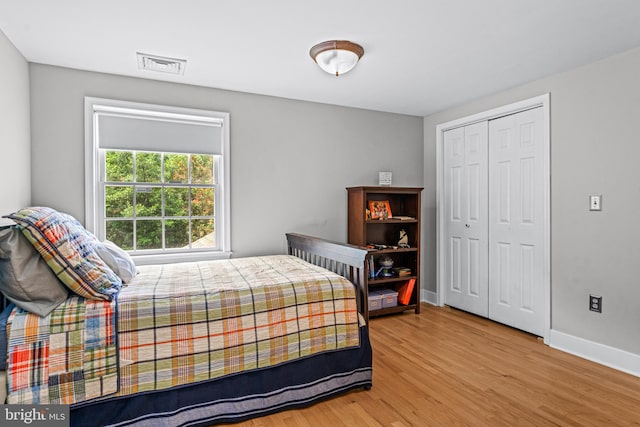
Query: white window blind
125	129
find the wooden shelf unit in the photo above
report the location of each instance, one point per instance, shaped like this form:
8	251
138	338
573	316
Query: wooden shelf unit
363	231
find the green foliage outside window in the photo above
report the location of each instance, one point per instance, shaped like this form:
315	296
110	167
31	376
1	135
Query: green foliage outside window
168	193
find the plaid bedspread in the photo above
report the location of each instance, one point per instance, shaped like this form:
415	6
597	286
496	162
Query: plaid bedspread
183	323
66	357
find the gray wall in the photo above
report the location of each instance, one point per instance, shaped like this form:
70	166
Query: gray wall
594	150
291	160
15	152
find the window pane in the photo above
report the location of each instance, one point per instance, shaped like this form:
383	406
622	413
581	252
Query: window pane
176	201
120	233
148	167
149	234
202	235
201	169
176	233
176	168
202	201
119	166
148	201
118	201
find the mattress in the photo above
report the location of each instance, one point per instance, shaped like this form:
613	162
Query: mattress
181	324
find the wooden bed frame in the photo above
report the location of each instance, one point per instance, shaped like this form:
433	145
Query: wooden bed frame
347	260
271	390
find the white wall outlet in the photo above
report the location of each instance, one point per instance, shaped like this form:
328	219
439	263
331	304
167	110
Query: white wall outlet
595	202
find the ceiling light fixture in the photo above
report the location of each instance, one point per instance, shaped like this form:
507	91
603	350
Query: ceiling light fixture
336	56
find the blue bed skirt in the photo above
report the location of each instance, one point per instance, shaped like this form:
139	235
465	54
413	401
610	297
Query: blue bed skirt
237	397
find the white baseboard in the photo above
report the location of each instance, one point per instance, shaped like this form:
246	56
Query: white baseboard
603	354
596	352
430	297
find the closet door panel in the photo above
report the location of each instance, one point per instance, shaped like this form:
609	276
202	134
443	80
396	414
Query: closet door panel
466	234
516	292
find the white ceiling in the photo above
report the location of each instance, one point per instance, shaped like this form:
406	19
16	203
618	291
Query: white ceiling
421	56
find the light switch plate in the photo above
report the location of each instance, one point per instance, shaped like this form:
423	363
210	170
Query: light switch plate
595	202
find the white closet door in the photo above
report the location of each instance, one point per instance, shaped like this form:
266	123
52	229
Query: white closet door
466	231
516	220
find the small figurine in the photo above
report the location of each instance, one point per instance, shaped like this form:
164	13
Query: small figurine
386	264
404	239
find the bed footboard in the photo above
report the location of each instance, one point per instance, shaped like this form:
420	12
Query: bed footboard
347	260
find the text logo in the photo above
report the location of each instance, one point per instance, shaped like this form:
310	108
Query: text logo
35	415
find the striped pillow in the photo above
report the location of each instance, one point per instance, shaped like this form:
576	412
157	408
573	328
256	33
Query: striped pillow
69	250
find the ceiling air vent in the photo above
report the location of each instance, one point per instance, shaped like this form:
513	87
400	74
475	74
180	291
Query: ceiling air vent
161	64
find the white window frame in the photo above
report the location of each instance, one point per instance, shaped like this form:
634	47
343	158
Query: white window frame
94	159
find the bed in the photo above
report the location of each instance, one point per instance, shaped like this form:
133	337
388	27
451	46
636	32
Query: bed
186	344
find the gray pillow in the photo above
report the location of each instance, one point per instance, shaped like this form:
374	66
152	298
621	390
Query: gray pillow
25	278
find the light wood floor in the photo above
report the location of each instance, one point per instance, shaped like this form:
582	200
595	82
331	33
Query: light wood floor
445	367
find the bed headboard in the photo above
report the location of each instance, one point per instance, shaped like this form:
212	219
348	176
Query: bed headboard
344	259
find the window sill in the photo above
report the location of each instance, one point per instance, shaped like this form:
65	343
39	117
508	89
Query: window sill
173	258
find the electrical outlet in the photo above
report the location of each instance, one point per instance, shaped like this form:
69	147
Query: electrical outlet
595	303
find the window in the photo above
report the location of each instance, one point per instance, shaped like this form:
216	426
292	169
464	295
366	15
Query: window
159	201
159	180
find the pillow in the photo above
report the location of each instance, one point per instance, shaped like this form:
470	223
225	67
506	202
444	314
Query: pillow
117	260
69	250
4	317
25	279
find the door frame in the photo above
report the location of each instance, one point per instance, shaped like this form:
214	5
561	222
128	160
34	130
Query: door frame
526	104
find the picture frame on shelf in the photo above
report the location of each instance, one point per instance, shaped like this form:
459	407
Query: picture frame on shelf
380	209
385	178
